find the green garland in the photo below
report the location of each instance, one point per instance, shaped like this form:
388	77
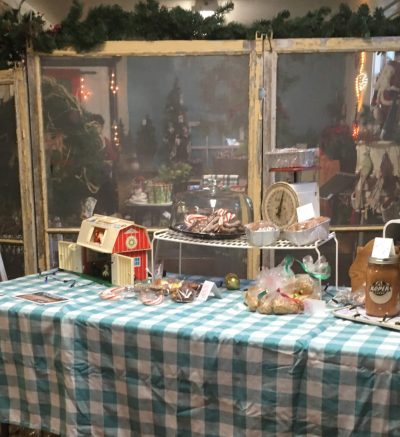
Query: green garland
150	21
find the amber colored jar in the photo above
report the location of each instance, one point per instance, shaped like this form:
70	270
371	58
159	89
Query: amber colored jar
383	287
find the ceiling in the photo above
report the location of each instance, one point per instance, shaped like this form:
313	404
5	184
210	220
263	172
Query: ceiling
245	11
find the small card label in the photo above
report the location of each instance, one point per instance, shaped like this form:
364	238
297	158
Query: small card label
383	248
305	212
207	288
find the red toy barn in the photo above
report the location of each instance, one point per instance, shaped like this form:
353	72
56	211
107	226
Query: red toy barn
108	247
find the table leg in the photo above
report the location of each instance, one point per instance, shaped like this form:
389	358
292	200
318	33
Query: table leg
318	259
180	258
336	262
154	250
4	430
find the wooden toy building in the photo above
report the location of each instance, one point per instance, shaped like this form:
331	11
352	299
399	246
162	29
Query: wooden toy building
113	249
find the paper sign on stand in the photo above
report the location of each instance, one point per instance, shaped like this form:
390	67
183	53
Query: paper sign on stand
207	288
305	212
383	248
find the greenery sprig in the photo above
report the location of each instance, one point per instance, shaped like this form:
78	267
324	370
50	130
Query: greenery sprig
150	21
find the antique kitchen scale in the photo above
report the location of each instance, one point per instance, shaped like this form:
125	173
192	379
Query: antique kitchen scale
281	199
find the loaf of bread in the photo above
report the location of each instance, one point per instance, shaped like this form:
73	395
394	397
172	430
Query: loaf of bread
308	224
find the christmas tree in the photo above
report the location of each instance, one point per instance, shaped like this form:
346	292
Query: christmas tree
176	137
74	150
146	143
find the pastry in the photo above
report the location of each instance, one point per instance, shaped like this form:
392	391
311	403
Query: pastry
251	300
303	285
183	295
285	305
265	305
307	224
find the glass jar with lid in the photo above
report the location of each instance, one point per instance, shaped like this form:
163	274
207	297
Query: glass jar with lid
383	287
211	213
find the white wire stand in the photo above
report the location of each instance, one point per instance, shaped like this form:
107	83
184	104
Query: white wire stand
392	229
237	243
3	274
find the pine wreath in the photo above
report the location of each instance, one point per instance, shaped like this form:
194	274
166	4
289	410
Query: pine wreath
150	21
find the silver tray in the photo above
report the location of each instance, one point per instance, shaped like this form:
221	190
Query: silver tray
308	236
357	314
262	237
206	235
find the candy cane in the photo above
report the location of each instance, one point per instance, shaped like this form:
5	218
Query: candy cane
191	218
152	300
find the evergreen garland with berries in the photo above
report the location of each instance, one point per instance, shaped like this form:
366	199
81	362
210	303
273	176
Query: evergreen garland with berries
150	21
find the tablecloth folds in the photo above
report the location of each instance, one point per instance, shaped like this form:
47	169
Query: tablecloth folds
118	368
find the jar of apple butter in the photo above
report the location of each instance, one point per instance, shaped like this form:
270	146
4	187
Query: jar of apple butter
383	287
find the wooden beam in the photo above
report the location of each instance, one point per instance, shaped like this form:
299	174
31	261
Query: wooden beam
25	172
254	169
162	48
38	160
318	45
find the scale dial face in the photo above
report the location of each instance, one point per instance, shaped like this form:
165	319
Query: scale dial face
279	205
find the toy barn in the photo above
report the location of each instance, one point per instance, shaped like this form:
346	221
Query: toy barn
109	248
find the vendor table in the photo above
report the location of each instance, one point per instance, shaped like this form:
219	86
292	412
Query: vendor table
90	367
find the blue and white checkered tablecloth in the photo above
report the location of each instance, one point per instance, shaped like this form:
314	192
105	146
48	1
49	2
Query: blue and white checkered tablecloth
91	367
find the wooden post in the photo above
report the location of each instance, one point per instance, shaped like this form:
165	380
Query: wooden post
25	171
38	161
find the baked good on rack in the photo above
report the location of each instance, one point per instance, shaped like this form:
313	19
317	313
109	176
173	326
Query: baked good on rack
219	222
261	225
307	224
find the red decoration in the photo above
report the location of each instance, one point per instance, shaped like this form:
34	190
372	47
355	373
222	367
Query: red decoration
355	130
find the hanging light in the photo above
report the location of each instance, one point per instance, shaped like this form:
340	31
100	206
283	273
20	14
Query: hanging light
355	130
206	8
113	84
115	134
361	81
84	92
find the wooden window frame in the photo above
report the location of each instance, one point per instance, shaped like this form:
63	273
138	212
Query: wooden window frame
254	51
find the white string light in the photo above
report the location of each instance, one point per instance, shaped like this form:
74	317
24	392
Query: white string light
115	134
84	92
361	81
113	84
360	84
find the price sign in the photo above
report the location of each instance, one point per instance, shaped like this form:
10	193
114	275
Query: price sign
208	288
383	248
305	212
